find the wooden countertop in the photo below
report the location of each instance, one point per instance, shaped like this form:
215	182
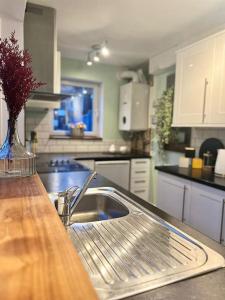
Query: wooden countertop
37	259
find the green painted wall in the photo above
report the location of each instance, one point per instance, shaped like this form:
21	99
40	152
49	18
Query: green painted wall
106	74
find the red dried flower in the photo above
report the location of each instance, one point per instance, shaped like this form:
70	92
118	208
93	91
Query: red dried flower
16	76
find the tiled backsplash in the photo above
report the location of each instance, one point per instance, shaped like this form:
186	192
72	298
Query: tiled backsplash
41	122
199	135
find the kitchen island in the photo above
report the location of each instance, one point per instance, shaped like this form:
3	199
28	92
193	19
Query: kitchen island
39	262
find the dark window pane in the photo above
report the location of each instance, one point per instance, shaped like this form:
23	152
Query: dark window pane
77	108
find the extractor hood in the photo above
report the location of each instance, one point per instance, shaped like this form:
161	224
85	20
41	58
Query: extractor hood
44	100
40	39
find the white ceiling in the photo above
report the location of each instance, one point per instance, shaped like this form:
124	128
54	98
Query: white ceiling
135	29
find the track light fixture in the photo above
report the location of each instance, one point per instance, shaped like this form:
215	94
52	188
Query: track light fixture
96	52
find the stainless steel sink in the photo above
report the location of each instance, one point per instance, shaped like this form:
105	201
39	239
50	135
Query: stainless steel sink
136	251
95	206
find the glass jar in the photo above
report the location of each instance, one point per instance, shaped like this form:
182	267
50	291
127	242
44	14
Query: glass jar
15	160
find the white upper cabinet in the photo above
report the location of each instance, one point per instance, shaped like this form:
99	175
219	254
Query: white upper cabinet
217	106
200	84
193	82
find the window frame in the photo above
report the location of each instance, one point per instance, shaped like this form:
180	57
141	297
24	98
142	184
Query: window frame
97	88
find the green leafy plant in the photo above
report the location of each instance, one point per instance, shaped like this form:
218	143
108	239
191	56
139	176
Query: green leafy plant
163	111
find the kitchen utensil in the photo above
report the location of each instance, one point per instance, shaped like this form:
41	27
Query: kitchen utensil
220	163
212	145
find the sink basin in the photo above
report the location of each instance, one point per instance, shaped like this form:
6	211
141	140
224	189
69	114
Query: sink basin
98	207
131	250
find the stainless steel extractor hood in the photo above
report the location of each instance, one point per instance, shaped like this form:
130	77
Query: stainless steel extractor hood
40	39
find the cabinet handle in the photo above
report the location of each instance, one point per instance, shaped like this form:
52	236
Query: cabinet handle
140	172
184	194
139	181
139	191
204	100
222	217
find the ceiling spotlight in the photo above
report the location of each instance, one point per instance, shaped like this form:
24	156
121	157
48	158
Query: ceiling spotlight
89	61
96	57
105	49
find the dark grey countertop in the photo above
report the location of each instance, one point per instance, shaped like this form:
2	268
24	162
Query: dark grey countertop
198	175
209	286
92	155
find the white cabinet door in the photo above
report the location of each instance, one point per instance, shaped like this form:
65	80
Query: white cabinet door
171	196
223	224
140	102
193	83
217	105
206	210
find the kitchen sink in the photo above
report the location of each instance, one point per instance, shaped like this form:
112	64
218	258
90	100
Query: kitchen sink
96	206
127	250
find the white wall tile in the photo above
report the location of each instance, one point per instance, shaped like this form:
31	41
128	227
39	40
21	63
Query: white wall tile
199	135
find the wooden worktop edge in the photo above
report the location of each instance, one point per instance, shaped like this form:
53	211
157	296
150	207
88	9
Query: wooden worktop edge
37	259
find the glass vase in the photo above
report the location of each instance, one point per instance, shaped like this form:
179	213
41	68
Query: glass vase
15	160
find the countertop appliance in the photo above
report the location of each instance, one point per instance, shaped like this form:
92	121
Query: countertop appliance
220	163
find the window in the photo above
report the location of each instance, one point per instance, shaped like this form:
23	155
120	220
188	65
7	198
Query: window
81	106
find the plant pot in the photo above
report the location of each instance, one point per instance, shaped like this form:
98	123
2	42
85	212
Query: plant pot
15	160
79	132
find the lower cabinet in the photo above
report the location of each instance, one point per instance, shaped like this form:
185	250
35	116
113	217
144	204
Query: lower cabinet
206	210
223	225
173	196
195	204
140	178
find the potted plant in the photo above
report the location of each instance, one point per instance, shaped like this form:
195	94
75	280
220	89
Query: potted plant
16	83
77	130
163	111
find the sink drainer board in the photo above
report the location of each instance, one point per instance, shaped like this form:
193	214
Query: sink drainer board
137	252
